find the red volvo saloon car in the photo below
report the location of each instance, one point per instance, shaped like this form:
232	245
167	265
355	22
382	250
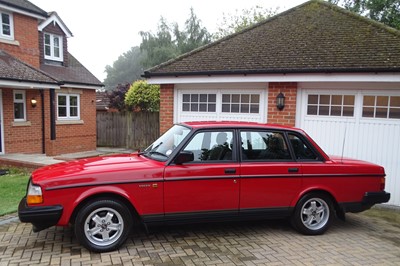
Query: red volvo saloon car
199	172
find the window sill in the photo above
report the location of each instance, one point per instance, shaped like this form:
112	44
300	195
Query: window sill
12	42
21	124
69	122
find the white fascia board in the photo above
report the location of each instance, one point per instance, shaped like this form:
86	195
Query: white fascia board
26	85
77	86
54	18
16	10
315	77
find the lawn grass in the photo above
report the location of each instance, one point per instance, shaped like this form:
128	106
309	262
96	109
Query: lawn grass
12	189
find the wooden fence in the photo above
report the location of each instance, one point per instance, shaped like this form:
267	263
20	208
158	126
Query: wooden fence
127	130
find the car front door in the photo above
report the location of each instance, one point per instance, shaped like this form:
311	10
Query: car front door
270	178
207	185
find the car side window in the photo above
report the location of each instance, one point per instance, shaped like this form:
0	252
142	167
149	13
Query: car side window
301	150
264	146
211	146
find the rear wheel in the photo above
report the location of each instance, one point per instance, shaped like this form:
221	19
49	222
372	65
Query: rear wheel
103	225
313	214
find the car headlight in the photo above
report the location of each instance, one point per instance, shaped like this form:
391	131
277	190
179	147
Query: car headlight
34	194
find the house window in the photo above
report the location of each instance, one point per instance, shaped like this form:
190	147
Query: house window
7	29
241	103
199	102
331	105
381	107
53	48
68	106
19	106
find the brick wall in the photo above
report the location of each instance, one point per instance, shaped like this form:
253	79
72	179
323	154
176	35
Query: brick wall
166	107
21	137
75	137
26	34
27	137
287	116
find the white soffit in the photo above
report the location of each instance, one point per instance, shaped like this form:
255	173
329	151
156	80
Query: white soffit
26	85
362	77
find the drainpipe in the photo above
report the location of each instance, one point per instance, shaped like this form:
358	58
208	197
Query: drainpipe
52	115
43	123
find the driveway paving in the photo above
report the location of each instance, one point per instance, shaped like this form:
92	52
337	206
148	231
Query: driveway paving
361	240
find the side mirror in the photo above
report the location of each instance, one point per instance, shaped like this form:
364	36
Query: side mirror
184	157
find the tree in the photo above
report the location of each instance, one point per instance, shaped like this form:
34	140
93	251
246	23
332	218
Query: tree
117	97
169	42
142	96
126	69
232	23
160	47
193	36
385	11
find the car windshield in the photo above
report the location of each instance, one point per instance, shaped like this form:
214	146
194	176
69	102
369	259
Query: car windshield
163	147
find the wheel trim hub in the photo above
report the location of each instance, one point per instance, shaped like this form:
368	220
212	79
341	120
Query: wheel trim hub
315	213
104	226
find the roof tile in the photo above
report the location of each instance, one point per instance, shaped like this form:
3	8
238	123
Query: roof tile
12	68
313	37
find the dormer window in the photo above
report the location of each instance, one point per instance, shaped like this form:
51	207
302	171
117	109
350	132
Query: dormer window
53	47
7	29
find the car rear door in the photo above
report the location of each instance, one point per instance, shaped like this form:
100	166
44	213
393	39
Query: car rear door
209	185
270	177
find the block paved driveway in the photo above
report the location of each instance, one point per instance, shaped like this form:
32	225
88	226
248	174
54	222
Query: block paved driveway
361	240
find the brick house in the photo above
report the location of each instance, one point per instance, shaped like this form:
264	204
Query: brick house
339	74
47	97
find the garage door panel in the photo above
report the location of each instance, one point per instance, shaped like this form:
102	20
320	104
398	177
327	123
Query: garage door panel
372	139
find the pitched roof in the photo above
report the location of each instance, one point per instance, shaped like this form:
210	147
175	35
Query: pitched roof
75	73
25	6
313	37
14	69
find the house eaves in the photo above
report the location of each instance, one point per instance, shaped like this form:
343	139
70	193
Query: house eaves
23	7
315	37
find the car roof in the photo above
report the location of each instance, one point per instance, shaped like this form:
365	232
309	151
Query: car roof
237	124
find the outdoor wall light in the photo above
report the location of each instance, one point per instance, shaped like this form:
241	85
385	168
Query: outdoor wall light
33	102
280	101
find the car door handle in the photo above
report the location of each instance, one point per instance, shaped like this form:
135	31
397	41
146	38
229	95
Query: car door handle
230	171
293	170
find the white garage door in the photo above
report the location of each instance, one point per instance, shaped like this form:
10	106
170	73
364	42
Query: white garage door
220	104
359	124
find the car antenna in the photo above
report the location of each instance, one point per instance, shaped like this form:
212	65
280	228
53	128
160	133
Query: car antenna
344	140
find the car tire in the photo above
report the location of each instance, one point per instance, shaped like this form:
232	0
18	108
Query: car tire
103	225
313	214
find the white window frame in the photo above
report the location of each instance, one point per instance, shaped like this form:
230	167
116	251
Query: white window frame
23	101
240	103
375	106
60	47
68	106
11	25
208	103
318	105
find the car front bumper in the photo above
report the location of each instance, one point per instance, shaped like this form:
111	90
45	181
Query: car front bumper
41	217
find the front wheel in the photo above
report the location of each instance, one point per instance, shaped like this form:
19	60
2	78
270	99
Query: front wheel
103	225
313	214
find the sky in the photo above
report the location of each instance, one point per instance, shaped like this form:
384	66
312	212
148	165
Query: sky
104	30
